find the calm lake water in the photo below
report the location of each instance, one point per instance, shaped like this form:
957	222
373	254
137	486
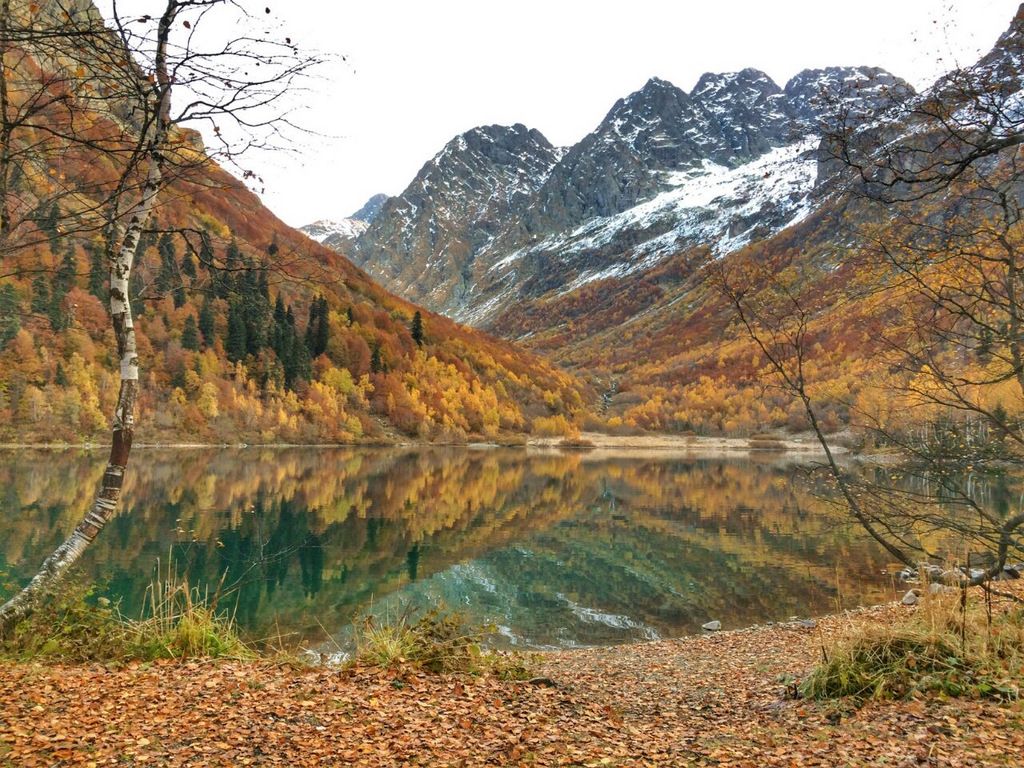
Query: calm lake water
554	549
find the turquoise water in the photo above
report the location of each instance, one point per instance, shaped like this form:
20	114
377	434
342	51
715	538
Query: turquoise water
553	549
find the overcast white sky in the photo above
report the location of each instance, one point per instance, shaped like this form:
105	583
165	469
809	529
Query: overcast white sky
418	72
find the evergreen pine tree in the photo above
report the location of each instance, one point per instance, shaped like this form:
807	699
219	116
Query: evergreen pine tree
205	251
417	328
98	271
47	221
67	272
40	295
224	279
60	377
190	335
323	328
311	327
166	277
263	283
350	316
318	327
300	366
376	364
58	320
293	353
10	323
207	323
254	299
236	345
188	265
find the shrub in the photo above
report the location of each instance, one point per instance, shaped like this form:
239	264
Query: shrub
554	426
937	649
73	626
438	641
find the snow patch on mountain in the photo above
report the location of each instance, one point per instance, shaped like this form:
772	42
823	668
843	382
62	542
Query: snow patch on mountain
329	230
709	205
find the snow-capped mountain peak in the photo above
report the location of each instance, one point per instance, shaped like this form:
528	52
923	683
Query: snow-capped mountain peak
499	214
326	229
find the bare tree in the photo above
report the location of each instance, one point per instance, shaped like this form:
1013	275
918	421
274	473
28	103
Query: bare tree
935	190
237	87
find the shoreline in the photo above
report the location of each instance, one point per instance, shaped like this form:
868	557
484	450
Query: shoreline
588	442
720	698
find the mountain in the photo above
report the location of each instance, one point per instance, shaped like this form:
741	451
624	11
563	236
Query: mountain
425	242
255	333
370	208
336	234
608	267
735	160
341	234
667	346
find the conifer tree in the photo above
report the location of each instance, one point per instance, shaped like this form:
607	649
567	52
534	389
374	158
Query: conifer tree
224	279
67	272
58	319
97	271
318	327
253	298
190	335
207	323
47	222
205	251
188	265
10	323
417	328
40	295
236	345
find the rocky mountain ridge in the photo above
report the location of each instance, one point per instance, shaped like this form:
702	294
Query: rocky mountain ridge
499	215
426	239
340	234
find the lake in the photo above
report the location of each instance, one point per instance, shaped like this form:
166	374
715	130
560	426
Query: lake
555	549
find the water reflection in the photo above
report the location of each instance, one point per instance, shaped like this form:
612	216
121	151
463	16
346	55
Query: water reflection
555	549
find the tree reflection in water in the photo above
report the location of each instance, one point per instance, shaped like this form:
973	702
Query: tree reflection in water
556	549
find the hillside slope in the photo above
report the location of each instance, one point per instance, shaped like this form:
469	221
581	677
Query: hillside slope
258	334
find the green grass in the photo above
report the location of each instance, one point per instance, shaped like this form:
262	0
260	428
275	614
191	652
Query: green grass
75	625
182	622
437	641
936	650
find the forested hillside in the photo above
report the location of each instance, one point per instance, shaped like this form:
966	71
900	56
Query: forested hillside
247	329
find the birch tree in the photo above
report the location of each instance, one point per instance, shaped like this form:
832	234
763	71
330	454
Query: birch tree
236	87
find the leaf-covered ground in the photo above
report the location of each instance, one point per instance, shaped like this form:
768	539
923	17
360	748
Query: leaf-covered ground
715	700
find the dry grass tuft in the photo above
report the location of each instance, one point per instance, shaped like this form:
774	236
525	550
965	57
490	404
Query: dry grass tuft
438	641
942	647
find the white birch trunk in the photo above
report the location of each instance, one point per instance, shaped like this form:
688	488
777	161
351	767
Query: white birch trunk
126	237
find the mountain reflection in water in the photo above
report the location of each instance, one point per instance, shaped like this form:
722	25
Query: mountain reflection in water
554	549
